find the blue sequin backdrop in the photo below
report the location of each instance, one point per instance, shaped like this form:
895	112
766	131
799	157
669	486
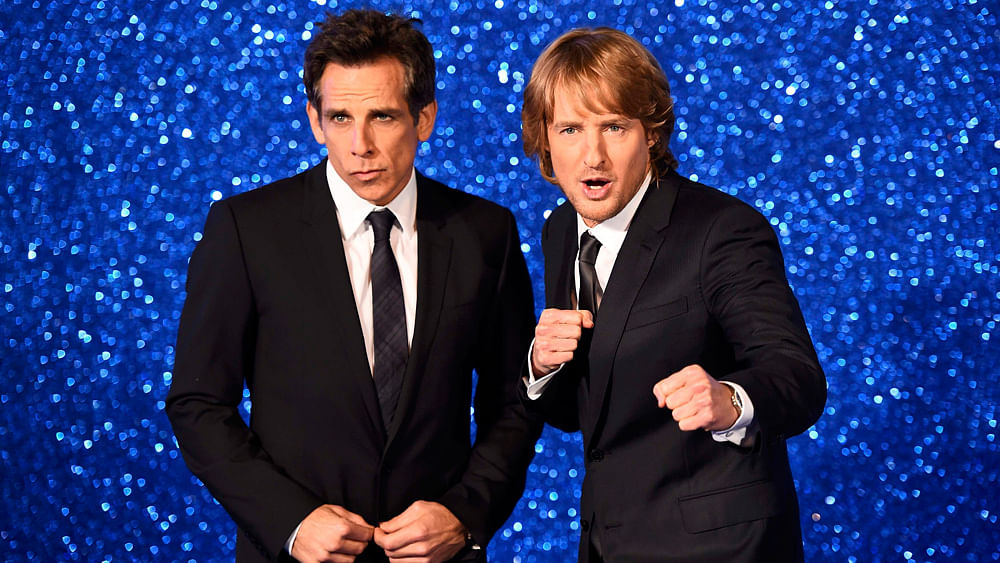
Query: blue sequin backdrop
866	131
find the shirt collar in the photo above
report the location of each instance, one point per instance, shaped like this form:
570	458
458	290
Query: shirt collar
353	210
611	232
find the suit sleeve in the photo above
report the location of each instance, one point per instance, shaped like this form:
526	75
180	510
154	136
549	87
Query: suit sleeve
215	354
558	403
744	285
505	431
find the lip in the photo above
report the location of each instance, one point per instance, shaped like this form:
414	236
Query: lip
367	175
595	192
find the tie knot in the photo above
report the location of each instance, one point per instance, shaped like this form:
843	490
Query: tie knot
381	221
589	246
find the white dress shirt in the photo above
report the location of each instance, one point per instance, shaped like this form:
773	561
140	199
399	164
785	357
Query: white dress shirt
359	241
611	234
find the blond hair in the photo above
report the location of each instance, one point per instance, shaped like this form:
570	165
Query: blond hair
608	71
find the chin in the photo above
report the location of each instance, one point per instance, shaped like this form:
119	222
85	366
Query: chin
595	213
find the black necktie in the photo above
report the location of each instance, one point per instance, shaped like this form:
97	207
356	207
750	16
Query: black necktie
590	289
388	317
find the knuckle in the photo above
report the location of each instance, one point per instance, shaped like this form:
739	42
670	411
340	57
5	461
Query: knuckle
356	549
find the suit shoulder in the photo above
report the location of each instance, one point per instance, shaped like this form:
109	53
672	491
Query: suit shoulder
466	205
270	196
562	216
705	201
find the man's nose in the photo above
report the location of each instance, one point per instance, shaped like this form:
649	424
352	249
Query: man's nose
595	154
361	144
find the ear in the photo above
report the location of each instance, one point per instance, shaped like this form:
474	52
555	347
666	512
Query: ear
651	139
425	120
315	123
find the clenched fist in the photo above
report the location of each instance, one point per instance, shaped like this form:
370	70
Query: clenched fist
697	399
557	337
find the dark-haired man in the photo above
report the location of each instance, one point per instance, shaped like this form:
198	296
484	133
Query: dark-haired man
672	339
354	300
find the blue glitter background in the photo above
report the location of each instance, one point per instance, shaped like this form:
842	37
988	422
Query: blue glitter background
867	131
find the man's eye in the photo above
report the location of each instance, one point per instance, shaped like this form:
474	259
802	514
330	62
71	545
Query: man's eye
568	130
615	128
339	118
382	117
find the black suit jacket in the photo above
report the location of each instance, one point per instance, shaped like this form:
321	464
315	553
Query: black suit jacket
270	304
699	280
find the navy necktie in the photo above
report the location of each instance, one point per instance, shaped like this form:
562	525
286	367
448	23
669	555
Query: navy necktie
590	289
388	317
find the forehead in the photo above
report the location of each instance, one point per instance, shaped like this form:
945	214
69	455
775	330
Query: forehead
573	103
378	81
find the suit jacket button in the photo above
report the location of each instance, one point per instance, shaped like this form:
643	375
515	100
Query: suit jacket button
596	455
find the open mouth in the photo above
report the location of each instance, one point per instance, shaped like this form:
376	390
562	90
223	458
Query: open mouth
595	188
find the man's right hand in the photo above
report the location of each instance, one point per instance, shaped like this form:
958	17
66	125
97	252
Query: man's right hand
556	338
331	534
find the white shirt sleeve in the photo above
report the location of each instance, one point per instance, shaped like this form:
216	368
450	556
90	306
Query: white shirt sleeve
535	387
738	431
291	539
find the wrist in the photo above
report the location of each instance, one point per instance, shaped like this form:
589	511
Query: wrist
470	545
736	402
539	371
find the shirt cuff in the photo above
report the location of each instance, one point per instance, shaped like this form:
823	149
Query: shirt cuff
738	431
291	539
535	387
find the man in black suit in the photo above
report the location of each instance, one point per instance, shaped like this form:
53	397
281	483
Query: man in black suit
672	339
355	300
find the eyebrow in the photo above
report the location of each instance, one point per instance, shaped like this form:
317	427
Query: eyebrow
616	120
392	112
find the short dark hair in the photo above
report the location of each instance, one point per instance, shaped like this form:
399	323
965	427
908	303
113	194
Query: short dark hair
610	71
358	37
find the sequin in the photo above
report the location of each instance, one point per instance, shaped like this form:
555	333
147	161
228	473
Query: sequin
866	131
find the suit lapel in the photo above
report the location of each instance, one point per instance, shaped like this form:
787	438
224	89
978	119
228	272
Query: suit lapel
636	257
433	266
323	240
560	256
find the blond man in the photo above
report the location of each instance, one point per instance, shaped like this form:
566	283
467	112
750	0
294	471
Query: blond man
671	337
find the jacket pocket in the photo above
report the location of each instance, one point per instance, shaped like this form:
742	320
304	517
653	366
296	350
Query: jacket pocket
724	507
649	315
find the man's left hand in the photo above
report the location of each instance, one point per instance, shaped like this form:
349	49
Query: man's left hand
697	399
426	532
